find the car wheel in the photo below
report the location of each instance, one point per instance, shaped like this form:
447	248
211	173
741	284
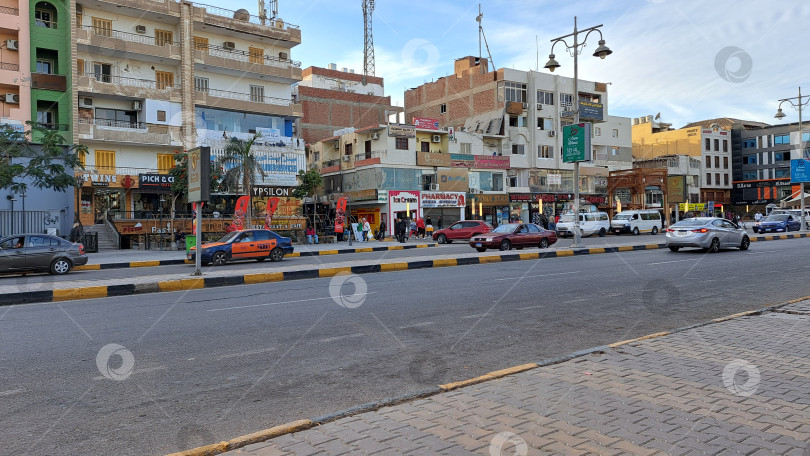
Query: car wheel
602	232
715	247
219	259
674	249
654	230
544	243
449	241
745	243
481	249
442	239
60	266
635	231
506	245
276	254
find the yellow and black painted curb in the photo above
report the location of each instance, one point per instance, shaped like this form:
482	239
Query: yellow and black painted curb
103	291
142	264
301	425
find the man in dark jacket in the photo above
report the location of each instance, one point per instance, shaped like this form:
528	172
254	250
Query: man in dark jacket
400	230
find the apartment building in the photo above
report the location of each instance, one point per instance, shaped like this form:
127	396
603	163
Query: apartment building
683	173
15	62
761	164
155	77
530	108
335	100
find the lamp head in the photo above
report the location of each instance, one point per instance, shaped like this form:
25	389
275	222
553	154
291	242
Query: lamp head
602	51
779	114
552	64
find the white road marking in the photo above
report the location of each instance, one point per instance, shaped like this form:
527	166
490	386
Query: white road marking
763	251
541	275
417	325
674	261
529	307
12	392
136	371
574	300
247	353
282	302
475	316
332	339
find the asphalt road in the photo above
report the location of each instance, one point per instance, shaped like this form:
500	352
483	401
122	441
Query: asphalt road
202	366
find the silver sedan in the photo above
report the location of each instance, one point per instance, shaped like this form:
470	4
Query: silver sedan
709	233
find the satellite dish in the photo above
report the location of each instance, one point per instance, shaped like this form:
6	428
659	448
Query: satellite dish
658	116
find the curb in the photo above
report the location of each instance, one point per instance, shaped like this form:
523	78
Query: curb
142	264
301	425
103	291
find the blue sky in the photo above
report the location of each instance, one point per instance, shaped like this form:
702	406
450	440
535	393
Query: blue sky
687	59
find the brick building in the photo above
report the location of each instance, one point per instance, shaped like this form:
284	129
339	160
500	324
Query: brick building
333	100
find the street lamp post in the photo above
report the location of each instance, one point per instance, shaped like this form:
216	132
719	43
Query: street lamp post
602	51
347	220
781	115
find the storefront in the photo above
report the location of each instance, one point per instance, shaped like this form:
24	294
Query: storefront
105	197
447	205
492	208
402	204
153	197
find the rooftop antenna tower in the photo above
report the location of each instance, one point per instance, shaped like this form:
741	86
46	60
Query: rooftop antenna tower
368	40
271	5
481	35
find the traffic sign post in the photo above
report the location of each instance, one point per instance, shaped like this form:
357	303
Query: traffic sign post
199	191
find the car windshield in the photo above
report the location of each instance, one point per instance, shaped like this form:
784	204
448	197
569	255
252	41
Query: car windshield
567	218
228	237
508	228
775	218
690	222
623	216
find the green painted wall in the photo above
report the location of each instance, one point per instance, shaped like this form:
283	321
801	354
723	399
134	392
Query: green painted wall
54	43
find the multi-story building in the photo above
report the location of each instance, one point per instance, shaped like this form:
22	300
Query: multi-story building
15	63
683	168
389	171
335	100
154	77
530	108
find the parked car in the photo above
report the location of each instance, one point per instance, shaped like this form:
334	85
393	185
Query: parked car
245	245
636	221
39	252
461	230
780	222
517	235
589	223
710	233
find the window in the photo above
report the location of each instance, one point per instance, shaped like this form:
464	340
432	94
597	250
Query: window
513	121
347	149
708	162
116	118
257	93
165	162
256	55
443	108
45	15
161	116
717	145
614	151
716	178
749	175
465	148
80	66
518	149
402	143
725	145
749	143
725	162
45	66
200	84
769	140
523	121
781	156
805	137
514	91
164	37
545	151
781	139
513	181
425	146
201	44
615	133
708	144
102	72
750	159
164	79
46	117
566	101
105	161
597	131
717	162
708	178
545	98
544	124
497	182
781	172
79	17
725	179
102	27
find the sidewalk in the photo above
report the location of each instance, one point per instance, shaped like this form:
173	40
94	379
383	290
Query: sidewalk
738	385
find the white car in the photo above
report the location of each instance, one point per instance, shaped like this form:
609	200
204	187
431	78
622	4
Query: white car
636	221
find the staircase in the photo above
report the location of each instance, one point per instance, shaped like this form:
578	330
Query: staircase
106	236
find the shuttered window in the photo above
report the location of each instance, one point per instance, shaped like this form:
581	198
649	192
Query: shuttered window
80	66
201	44
165	162
163	37
102	27
165	79
256	55
105	161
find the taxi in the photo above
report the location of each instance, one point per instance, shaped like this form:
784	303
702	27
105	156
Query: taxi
244	245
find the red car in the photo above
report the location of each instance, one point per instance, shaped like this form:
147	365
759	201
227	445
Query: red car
517	235
464	229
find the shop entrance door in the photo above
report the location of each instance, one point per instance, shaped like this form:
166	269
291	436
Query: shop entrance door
107	201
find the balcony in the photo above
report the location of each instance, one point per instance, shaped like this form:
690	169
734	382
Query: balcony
125	132
238	62
148	9
283	34
369	158
110	170
124	44
43	81
9	66
248	102
51	126
91	84
9	20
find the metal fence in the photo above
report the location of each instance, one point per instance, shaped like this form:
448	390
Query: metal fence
29	222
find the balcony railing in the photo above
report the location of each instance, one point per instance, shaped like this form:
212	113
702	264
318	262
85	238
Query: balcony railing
252	18
127	36
126	171
9	66
52	126
9	10
131	82
331	163
113	123
246	56
370	155
247	97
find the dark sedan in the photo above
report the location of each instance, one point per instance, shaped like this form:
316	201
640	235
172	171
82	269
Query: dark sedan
39	252
779	223
517	235
244	245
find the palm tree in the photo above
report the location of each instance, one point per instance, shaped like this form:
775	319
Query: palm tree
245	166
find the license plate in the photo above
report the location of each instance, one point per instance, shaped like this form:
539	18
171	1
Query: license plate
478	244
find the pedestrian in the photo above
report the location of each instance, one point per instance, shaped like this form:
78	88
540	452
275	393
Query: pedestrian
420	227
439	224
411	229
311	234
76	233
400	230
544	221
366	229
758	216
428	221
179	238
381	231
359	231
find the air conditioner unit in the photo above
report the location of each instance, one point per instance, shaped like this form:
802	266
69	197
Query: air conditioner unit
436	138
229	45
551	133
140	29
336	144
539	107
525	105
375	136
136	105
85	102
434	187
347	158
12	98
12	45
282	56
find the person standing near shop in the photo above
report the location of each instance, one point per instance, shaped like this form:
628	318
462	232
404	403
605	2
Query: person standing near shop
76	233
439	223
366	230
381	231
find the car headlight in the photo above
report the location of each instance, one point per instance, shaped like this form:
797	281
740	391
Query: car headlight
489	239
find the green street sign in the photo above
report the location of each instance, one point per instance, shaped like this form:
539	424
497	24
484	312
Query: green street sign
576	145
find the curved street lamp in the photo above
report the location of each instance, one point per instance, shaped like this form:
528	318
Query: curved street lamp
798	105
602	51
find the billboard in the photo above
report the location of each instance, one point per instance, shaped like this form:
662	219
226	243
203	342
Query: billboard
800	170
425	123
576	143
676	189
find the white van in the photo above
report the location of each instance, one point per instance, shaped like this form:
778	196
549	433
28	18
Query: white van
636	221
589	223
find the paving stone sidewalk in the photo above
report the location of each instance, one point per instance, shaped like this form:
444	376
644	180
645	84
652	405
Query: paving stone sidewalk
741	386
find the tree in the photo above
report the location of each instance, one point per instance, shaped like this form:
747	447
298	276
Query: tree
244	167
310	182
43	165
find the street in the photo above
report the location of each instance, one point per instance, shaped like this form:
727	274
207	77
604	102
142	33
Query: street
202	366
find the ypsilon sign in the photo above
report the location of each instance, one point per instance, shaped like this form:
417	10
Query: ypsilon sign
577	143
800	170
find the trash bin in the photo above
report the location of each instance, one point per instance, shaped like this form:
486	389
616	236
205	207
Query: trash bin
191	241
90	241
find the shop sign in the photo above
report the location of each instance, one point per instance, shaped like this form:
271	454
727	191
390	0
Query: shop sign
402	197
491	162
425	123
155	180
269	191
101	180
462	160
676	189
431	159
402	131
762	184
524	197
363	195
576	143
382	196
554	179
453	179
443	199
489	200
556	197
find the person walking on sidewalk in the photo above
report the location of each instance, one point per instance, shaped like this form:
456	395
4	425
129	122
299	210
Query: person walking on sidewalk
411	229
381	231
366	229
399	230
76	233
420	228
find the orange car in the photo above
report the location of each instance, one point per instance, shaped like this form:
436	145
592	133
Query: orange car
245	245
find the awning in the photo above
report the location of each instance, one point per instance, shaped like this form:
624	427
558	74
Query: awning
795	198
